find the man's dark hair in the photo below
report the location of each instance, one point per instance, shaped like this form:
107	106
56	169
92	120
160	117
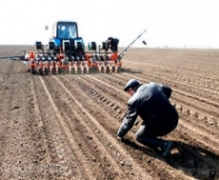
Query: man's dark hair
132	83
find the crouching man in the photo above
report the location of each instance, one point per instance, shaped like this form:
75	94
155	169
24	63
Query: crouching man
151	102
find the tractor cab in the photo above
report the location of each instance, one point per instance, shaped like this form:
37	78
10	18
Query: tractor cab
65	37
65	30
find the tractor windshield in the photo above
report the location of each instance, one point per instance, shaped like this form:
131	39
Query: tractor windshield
67	31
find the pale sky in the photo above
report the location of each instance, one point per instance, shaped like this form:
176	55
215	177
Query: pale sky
168	23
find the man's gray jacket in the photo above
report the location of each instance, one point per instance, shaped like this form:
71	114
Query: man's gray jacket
151	102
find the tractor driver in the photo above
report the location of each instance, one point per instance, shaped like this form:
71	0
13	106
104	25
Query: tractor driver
113	44
64	32
68	31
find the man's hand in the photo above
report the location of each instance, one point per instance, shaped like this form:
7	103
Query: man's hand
120	138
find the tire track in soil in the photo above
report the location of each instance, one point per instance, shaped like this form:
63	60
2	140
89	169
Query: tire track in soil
62	162
114	102
153	164
115	155
7	125
85	142
21	147
85	138
82	169
24	133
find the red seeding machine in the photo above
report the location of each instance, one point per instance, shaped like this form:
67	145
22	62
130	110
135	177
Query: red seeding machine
65	53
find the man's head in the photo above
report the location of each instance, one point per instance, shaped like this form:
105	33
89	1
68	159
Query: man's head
131	86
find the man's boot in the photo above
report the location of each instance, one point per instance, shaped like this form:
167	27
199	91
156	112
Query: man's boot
166	148
156	143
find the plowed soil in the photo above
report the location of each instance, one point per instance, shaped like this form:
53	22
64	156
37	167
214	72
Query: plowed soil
64	126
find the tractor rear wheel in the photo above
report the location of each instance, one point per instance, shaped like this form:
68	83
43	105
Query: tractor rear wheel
101	69
46	71
118	69
59	70
53	70
113	69
107	69
32	70
40	71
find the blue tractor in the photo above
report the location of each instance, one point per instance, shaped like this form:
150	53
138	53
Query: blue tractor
64	39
